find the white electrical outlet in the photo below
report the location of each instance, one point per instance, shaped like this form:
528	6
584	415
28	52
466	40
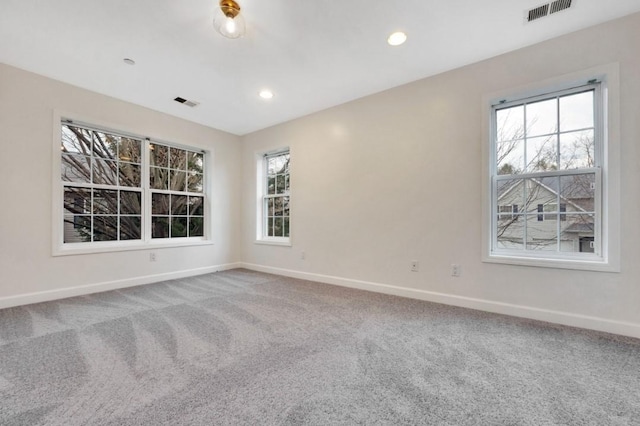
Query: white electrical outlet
415	266
303	255
456	270
152	257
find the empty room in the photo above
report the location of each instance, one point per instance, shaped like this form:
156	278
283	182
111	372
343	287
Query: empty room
289	212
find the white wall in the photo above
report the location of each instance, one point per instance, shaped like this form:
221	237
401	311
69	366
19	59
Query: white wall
397	176
28	271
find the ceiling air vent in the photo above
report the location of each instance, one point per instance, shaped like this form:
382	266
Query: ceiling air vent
547	9
186	102
558	5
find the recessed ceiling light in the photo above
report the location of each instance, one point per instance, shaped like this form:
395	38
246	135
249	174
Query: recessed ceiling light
266	94
129	61
396	39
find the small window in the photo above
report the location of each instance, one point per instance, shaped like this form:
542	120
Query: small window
275	208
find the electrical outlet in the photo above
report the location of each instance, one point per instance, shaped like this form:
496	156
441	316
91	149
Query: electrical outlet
152	257
303	255
415	266
456	270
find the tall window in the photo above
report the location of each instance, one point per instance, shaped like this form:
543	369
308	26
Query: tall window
275	198
126	188
546	167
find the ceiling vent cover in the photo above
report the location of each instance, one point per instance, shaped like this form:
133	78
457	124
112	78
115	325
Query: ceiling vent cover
186	102
547	9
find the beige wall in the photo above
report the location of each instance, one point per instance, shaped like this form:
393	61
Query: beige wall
397	176
27	104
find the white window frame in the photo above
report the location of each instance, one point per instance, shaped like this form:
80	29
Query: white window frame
607	253
261	194
59	248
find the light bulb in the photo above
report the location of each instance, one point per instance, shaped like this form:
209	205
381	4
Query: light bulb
230	25
228	21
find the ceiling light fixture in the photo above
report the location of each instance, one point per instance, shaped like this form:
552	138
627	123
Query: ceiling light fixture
228	21
396	39
266	94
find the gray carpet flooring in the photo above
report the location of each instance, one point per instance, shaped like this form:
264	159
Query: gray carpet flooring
241	347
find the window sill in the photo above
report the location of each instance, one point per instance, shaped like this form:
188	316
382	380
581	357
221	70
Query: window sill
284	242
108	247
593	264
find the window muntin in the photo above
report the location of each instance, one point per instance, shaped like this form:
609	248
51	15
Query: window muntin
276	198
105	196
546	161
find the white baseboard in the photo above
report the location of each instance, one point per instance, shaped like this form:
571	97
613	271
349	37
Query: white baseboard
45	296
557	317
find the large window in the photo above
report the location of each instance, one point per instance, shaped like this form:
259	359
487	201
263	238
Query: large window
546	176
275	184
123	188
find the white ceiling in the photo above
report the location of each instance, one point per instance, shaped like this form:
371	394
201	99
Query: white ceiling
313	54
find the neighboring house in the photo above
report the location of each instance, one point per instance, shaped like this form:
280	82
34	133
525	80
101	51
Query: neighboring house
550	214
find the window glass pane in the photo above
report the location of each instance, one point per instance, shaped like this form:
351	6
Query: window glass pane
77	200
158	178
105	201
542	154
105	172
76	168
76	140
130	228
539	192
271	185
105	228
270	205
195	162
77	229
270	227
510	157
160	227
130	202
195	182
105	146
541	236
178	181
129	174
576	111
286	226
278	206
278	227
510	123
579	192
159	155
285	203
179	204
178	159
510	191
577	150
196	228
178	227
542	117
510	234
160	204
196	206
129	150
577	233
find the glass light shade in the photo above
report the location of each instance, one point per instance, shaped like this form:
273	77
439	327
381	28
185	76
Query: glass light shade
227	26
